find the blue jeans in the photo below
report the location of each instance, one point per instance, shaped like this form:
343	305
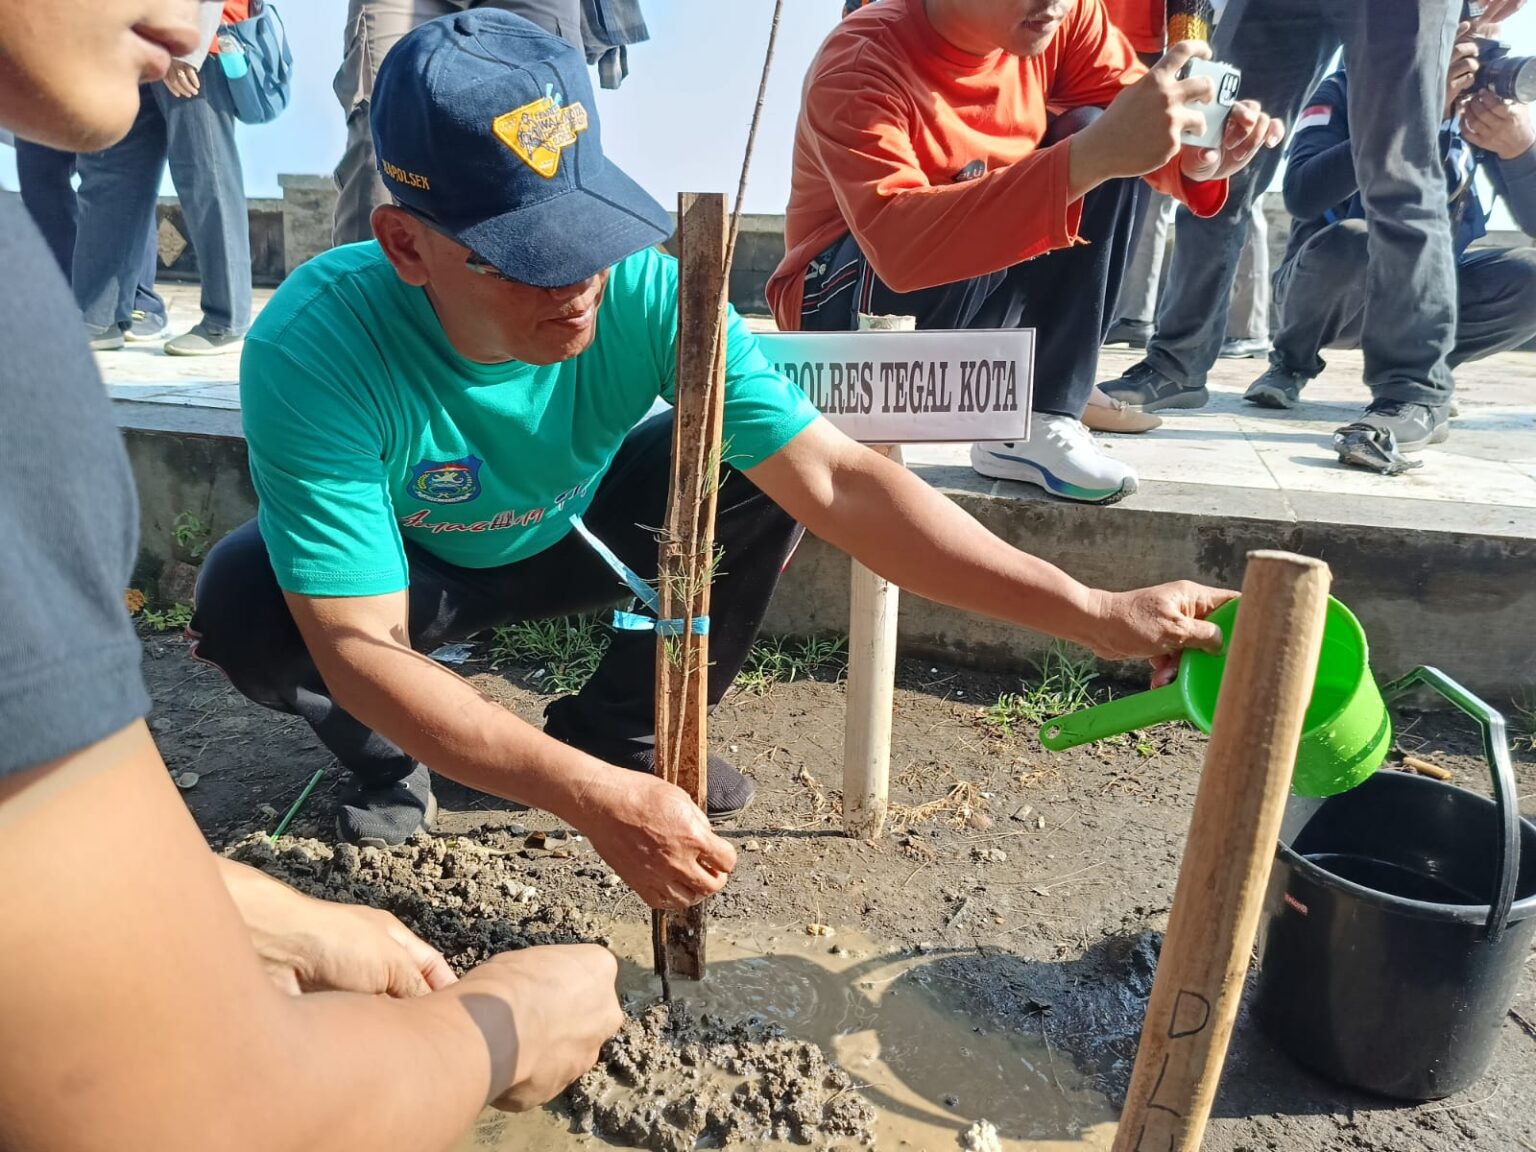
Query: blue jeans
1396	53
119	186
45	176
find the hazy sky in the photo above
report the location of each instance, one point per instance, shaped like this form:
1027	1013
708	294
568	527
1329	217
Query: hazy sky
678	123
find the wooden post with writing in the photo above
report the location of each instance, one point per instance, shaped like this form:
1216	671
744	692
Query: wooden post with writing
687	558
873	606
1271	664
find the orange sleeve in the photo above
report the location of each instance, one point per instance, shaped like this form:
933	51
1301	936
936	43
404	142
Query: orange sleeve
916	234
1097	64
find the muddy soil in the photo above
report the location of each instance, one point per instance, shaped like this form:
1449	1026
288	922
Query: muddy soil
1029	889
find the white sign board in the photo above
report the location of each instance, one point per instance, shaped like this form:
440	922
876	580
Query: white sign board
914	387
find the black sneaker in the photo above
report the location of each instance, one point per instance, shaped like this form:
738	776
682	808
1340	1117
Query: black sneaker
729	791
384	816
1144	388
1277	388
1134	333
1413	426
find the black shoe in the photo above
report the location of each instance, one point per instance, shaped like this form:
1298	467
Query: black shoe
1277	388
1145	388
1413	426
1135	333
729	791
384	816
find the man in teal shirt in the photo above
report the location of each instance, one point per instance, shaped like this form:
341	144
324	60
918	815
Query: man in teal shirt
430	415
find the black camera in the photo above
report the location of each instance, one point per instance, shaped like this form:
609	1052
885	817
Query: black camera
1507	76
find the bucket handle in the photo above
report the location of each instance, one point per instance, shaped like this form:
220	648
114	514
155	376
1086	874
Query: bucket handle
1496	751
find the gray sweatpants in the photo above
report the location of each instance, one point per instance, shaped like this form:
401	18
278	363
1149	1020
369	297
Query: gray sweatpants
1396	53
373	28
1322	292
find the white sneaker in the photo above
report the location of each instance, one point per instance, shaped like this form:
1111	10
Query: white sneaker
1059	456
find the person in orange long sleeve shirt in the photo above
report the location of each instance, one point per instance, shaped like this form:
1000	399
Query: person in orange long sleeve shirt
931	180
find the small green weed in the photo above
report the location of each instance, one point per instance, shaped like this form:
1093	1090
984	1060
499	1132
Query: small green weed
192	536
780	660
1523	729
170	619
1063	686
562	654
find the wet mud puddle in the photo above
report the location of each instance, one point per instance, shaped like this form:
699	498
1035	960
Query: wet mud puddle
802	1041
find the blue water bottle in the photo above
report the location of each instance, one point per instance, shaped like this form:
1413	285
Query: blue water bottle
232	57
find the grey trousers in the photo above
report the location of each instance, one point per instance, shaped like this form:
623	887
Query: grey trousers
1322	294
1397	53
1248	318
373	28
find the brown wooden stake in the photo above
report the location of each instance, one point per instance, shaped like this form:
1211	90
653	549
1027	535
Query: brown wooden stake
687	553
1271	664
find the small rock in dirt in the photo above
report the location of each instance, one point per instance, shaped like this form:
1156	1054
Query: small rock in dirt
981	1137
989	855
980	821
266	811
1023	813
751	846
819	930
187	780
951	1100
838	950
1039	821
611	880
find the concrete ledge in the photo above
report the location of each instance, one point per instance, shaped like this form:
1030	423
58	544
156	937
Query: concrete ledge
1462	597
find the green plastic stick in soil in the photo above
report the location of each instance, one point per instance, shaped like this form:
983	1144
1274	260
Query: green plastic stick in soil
293	809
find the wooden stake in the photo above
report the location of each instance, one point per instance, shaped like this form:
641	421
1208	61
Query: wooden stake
873	608
686	563
1271	665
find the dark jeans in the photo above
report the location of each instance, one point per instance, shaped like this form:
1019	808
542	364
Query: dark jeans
1396	53
45	176
245	627
119	186
1322	291
1068	296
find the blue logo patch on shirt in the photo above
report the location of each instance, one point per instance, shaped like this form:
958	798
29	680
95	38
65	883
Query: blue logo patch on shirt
446	482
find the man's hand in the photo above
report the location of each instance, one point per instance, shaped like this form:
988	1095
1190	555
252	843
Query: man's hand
1495	126
309	945
1495	12
182	80
1156	622
1248	129
1140	130
1463	70
564	1008
657	840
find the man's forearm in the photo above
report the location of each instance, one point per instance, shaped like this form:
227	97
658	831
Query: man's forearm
440	719
900	527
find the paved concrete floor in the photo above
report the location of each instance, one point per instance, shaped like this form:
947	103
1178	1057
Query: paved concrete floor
1227	456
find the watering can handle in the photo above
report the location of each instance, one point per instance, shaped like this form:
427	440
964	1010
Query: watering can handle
1496	751
1125	714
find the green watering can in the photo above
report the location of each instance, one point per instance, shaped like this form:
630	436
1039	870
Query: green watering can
1347	731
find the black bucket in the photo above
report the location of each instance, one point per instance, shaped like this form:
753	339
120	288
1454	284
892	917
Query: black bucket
1384	964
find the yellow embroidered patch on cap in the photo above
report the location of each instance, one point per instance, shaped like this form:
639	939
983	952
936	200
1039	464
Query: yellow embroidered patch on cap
539	132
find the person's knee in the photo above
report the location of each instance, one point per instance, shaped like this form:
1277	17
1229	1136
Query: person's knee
1337	253
1518	270
240	620
1069	123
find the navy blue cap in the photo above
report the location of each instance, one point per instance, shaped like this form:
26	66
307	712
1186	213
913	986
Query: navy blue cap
484	124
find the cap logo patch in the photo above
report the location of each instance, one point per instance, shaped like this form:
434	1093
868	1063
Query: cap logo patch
539	132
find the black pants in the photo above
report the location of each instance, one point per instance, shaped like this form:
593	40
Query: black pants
1322	291
1068	296
244	626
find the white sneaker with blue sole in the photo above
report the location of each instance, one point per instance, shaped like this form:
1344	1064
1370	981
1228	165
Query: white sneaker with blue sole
1060	456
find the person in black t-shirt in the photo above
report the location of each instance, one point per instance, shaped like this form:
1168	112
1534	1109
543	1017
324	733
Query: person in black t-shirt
148	989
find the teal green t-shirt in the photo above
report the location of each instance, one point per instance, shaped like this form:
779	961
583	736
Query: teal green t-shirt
366	428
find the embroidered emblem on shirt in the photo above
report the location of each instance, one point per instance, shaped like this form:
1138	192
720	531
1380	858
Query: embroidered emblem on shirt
975	170
446	482
539	132
1314	116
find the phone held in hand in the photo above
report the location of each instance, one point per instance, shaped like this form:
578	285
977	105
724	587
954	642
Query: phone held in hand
1227	80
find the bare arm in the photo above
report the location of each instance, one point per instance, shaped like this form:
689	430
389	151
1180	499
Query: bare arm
911	534
137	1015
652	834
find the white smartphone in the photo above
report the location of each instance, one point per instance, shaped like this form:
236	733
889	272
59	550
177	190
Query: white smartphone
1227	80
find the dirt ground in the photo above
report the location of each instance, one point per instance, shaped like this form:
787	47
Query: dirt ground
1036	884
